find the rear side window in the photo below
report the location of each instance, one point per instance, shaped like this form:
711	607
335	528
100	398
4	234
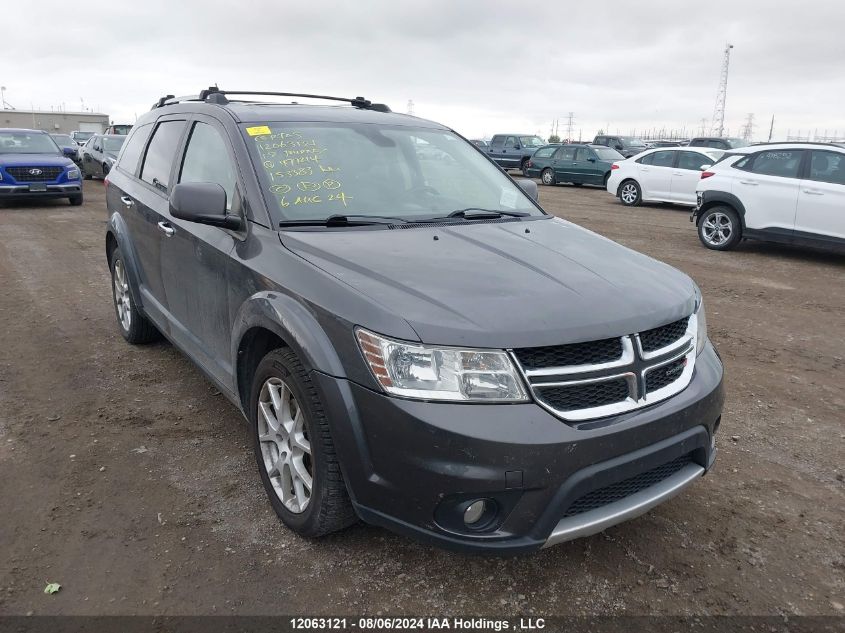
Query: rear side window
566	153
207	160
648	159
784	163
133	148
160	154
511	142
827	167
663	159
584	154
544	152
601	140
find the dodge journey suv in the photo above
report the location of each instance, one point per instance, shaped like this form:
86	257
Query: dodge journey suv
414	343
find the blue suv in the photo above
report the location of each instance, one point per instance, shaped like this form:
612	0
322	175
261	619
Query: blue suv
33	166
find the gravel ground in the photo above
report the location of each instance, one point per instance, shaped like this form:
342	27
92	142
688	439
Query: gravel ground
126	477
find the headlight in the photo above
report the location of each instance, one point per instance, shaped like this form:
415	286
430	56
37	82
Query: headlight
413	370
701	323
73	174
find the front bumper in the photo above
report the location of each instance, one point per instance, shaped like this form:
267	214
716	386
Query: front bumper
413	466
51	191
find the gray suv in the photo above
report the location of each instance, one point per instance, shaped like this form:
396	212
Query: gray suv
513	151
414	343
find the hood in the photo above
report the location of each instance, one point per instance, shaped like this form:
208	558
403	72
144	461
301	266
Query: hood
41	160
503	285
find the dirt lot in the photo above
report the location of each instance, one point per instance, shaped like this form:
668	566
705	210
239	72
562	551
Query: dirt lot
128	479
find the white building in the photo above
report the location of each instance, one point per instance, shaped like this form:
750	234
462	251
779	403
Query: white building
54	121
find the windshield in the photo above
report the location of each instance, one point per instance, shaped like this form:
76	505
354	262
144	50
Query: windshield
63	139
27	143
316	170
630	141
82	136
531	141
736	143
113	144
606	153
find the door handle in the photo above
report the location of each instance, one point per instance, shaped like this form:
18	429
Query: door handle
166	228
677	173
813	192
754	183
127	201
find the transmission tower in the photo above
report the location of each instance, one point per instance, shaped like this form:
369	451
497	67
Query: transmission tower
570	122
411	107
718	126
748	128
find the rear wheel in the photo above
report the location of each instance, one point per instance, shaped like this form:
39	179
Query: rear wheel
524	167
719	228
547	177
630	193
134	326
294	449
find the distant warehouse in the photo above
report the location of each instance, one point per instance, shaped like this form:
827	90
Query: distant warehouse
55	121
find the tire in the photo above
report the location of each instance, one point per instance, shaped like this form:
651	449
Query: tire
719	228
135	328
524	167
547	177
105	170
85	175
327	507
630	193
75	201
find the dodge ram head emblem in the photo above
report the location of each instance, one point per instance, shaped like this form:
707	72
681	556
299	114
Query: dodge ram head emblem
35	172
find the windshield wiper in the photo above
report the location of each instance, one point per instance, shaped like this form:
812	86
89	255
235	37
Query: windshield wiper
344	220
472	213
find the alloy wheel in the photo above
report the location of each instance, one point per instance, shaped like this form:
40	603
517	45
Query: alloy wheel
547	177
285	447
629	193
717	229
122	298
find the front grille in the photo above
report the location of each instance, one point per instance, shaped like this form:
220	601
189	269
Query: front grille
592	353
21	174
664	335
614	492
585	395
664	375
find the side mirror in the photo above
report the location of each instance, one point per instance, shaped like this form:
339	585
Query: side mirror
68	151
618	147
96	148
529	187
591	159
203	203
705	167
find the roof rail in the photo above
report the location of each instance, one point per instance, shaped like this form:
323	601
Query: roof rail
213	94
823	143
170	100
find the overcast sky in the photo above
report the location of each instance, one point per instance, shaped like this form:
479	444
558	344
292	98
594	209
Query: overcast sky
479	66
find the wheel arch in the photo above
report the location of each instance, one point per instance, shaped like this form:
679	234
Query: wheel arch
117	236
628	179
269	320
712	199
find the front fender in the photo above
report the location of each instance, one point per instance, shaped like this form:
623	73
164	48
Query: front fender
292	322
713	197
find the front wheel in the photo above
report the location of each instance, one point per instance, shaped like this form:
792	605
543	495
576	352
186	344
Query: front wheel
630	194
719	228
75	200
294	449
547	177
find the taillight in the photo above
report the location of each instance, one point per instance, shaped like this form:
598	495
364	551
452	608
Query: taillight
707	174
614	166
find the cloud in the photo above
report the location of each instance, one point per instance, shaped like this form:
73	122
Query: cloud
479	66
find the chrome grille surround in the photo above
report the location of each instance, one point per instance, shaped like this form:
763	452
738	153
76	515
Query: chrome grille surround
634	366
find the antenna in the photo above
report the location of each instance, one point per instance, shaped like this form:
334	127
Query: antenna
718	126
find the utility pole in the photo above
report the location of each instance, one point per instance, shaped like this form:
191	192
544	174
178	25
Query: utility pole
772	128
717	127
3	103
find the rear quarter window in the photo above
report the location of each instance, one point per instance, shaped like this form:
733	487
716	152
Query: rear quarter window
544	152
782	163
133	148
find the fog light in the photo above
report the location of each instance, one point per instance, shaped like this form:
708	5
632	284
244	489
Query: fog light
474	512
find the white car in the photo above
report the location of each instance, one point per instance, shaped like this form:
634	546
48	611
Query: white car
667	174
781	192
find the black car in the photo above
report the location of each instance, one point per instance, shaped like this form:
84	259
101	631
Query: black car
717	142
415	344
99	154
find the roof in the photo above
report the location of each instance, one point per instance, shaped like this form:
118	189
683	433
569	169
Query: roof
750	149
